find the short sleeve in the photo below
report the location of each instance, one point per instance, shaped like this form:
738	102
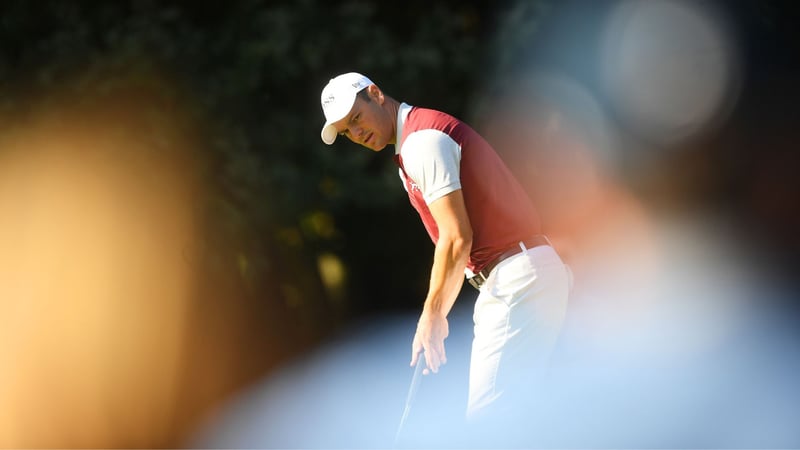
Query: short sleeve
432	159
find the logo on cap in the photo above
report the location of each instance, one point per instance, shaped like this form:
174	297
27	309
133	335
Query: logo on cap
328	100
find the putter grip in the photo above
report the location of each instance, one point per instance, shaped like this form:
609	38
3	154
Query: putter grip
417	374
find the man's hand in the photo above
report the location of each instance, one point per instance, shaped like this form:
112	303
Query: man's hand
432	330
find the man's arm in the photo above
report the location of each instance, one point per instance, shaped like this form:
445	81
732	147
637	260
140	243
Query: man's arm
447	276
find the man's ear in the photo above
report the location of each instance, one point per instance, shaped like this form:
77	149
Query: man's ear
375	92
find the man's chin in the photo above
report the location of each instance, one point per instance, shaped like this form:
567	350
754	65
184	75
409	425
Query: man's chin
377	148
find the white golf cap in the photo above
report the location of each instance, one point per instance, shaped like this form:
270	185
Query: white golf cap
338	98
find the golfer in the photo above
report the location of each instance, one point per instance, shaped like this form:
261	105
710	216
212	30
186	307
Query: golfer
483	226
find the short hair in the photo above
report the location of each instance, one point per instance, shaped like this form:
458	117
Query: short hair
364	95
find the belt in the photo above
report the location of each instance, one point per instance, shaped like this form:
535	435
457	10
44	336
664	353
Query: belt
481	277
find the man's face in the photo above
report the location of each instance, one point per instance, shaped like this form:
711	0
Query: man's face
368	124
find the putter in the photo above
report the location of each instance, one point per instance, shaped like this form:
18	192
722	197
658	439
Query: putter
412	392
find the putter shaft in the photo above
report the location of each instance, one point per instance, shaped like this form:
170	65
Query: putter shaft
412	392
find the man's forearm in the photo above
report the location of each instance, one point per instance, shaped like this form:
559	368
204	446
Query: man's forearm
447	274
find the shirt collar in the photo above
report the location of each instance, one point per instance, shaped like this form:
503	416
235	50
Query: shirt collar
402	114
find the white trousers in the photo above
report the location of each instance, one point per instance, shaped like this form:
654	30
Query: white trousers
518	316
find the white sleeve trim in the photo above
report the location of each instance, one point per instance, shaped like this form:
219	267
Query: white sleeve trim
433	160
402	179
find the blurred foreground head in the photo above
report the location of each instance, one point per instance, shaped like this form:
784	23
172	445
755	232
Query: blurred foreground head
100	291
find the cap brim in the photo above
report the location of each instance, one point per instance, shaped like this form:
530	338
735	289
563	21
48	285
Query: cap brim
328	133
